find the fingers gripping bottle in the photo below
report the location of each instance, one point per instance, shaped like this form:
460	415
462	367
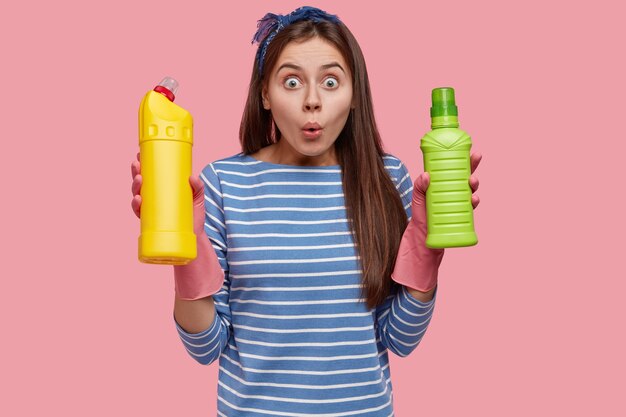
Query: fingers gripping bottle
446	150
165	141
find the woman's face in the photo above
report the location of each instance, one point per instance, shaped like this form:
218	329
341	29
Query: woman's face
310	84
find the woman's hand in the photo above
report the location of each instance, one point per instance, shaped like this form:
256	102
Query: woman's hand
473	179
418	206
197	186
417	265
203	276
135	172
422	182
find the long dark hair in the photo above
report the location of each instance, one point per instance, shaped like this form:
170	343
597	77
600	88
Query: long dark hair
372	201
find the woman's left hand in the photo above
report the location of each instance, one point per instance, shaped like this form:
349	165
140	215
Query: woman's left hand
475	159
423	180
417	265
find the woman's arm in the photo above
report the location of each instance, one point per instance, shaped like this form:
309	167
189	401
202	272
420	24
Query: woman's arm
194	316
402	320
196	282
203	317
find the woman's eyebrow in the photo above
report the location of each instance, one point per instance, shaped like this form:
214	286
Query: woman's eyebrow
298	68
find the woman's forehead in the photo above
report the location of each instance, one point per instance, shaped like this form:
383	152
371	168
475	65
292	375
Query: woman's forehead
312	52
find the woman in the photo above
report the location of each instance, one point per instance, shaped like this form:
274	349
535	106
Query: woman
305	288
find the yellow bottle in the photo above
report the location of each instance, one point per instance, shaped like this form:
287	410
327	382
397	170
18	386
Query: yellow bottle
165	141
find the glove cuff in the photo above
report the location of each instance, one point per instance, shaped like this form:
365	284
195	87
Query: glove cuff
201	277
417	266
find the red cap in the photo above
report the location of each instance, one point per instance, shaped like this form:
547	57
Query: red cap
165	91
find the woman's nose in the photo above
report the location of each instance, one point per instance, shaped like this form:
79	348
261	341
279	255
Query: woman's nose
312	100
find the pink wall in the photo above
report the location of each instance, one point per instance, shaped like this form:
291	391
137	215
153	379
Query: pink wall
528	322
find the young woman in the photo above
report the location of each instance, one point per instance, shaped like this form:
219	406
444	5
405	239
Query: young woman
307	272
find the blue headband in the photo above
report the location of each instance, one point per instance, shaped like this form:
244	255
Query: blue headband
273	23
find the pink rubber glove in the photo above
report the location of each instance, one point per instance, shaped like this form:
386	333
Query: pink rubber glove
417	265
203	276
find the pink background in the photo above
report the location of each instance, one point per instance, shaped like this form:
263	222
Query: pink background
528	322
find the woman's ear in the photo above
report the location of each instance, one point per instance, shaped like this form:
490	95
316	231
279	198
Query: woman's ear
266	102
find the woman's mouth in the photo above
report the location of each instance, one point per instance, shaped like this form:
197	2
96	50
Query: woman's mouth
312	133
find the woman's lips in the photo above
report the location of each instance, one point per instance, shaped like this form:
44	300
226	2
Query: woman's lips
312	134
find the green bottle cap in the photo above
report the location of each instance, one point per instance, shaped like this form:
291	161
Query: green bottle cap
444	103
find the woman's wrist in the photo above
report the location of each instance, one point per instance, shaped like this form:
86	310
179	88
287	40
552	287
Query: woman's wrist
201	277
421	295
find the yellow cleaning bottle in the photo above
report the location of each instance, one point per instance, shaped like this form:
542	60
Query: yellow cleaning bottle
165	141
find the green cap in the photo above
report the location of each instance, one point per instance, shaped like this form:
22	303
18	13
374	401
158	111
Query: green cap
444	103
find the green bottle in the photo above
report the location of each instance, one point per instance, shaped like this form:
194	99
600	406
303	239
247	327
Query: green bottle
446	150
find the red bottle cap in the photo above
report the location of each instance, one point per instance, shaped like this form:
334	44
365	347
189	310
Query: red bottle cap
167	87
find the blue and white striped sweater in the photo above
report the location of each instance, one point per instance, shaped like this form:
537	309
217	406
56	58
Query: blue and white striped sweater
291	334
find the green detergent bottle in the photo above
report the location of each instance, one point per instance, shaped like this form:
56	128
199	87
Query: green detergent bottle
446	150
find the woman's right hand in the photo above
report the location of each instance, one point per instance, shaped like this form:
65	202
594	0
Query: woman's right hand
197	186
135	170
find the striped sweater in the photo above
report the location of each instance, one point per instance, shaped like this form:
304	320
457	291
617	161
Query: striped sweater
290	332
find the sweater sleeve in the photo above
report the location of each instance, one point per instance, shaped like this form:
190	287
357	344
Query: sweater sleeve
402	320
206	346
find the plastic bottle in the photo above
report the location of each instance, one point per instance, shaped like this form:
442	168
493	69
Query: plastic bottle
446	150
165	141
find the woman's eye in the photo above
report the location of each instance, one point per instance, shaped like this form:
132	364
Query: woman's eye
331	82
291	82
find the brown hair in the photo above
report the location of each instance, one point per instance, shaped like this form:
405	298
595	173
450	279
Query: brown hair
372	201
